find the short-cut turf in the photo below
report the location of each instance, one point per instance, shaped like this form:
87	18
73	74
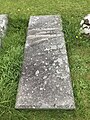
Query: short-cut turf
11	56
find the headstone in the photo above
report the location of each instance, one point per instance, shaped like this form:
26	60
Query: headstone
3	26
45	80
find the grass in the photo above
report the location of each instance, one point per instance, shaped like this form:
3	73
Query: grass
11	56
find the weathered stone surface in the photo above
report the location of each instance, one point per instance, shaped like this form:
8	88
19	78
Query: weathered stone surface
3	25
45	79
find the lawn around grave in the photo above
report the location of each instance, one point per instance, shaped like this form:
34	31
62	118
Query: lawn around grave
11	56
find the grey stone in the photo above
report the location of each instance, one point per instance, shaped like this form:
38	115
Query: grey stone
45	80
3	26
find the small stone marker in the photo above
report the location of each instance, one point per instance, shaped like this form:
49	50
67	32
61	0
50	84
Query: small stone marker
85	26
45	79
3	25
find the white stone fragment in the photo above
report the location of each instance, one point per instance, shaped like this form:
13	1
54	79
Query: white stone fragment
37	72
26	85
44	77
46	63
33	107
27	45
43	62
27	88
45	82
50	68
45	69
57	67
60	89
57	85
35	64
85	25
32	91
56	99
41	88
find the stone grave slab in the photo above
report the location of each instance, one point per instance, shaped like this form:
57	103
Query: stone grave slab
3	25
45	81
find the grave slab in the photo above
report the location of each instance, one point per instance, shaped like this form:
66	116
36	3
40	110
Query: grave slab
45	81
3	26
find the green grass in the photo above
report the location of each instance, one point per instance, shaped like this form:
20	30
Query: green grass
11	56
